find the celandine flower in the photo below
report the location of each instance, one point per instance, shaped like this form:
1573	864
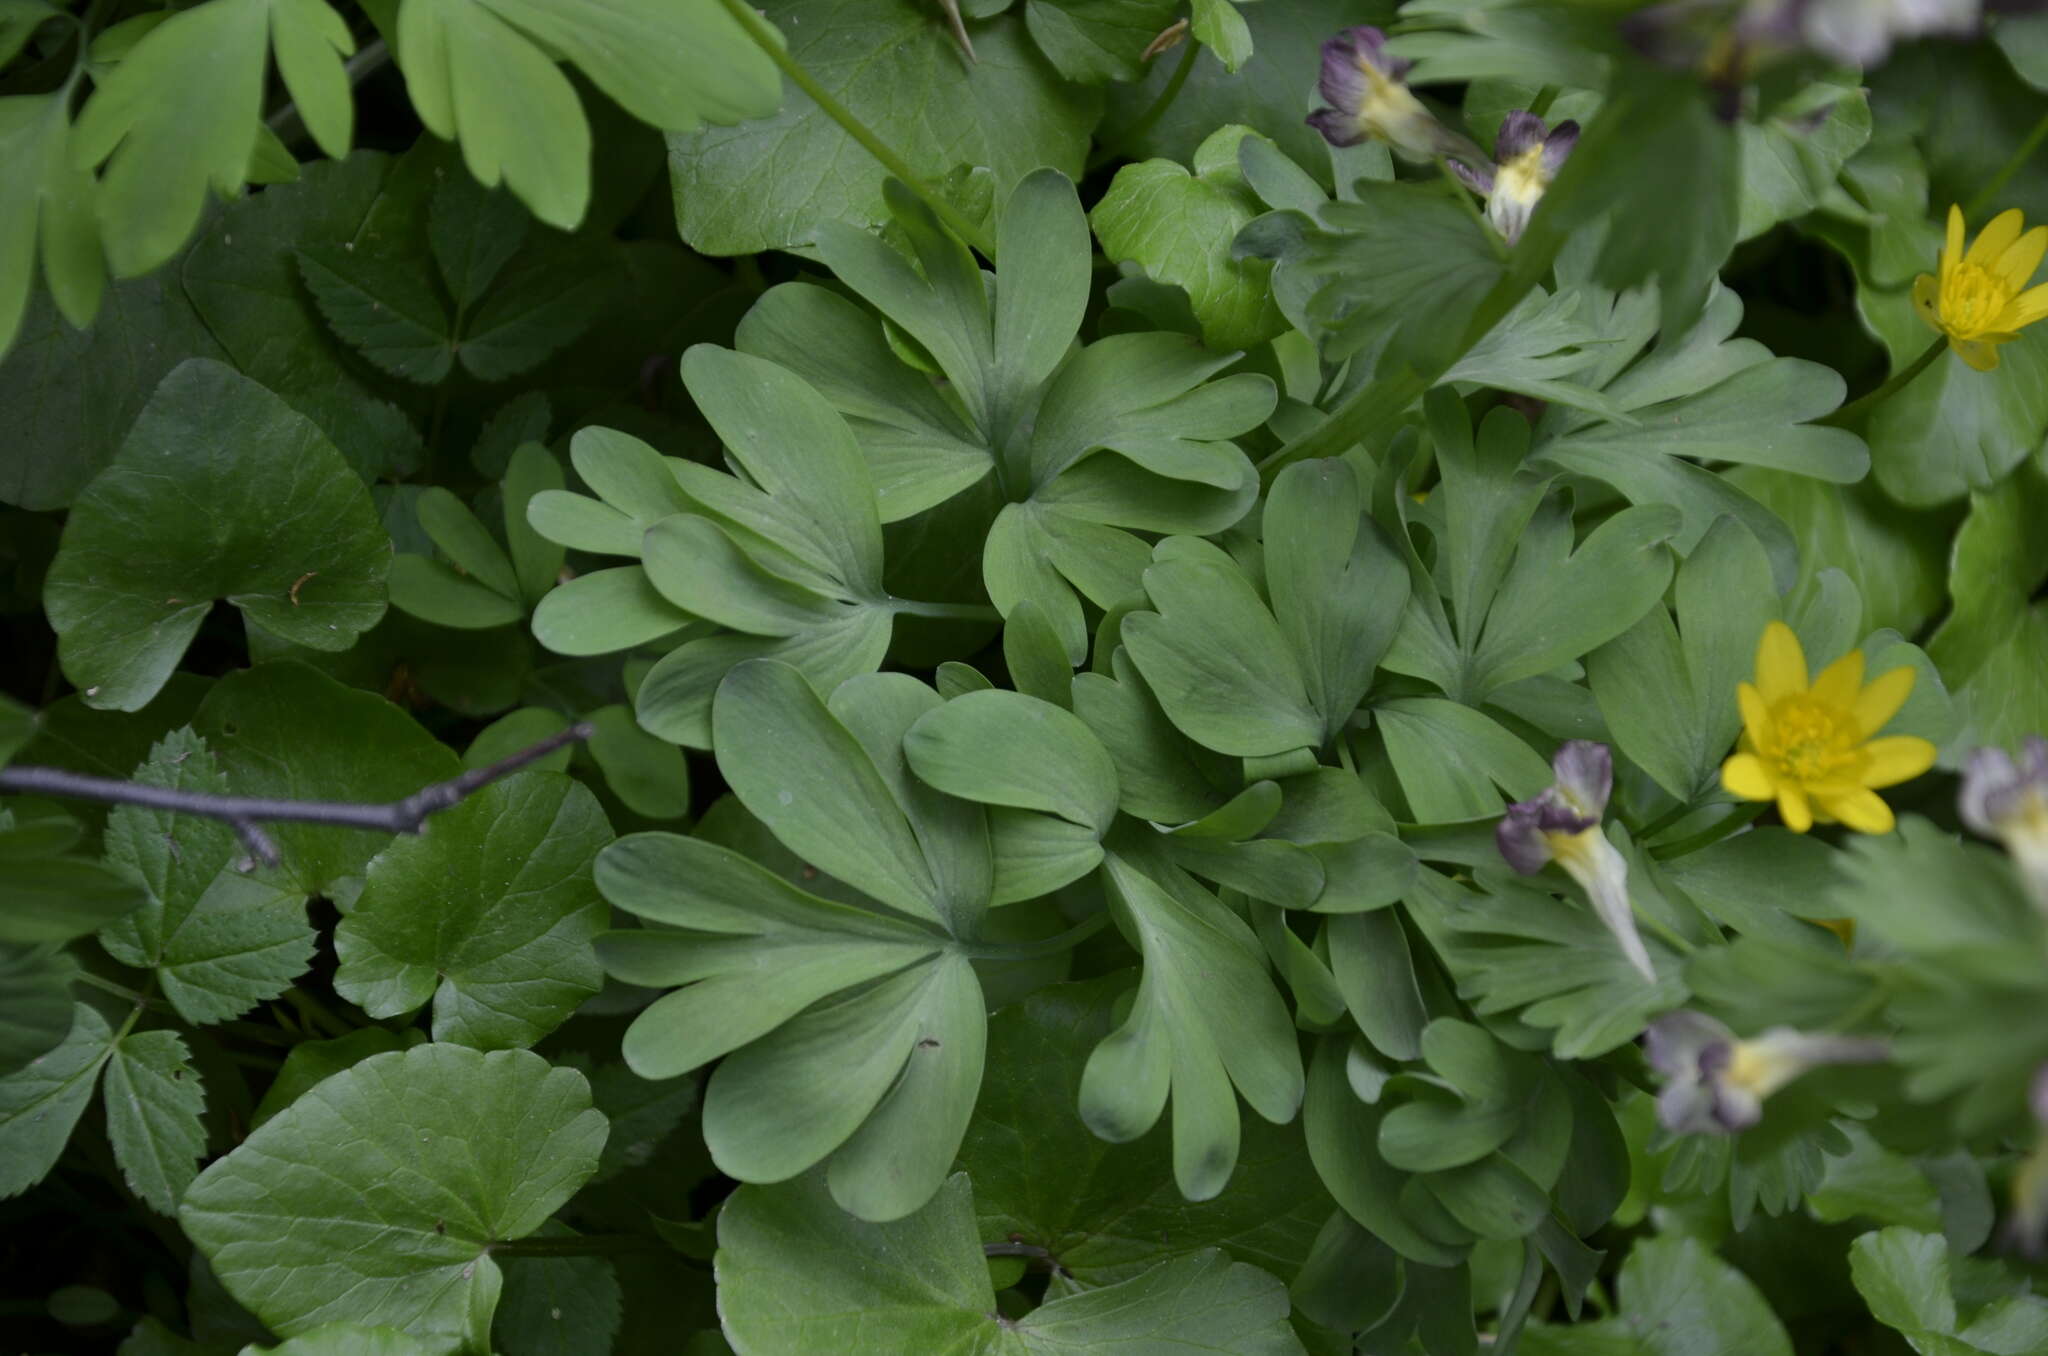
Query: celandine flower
1527	156
1562	825
1716	1084
1980	298
1809	746
1368	99
2007	799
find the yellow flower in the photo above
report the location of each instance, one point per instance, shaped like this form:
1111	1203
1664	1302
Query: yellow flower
1981	299
1809	746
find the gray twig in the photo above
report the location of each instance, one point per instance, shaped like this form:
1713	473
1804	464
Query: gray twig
246	814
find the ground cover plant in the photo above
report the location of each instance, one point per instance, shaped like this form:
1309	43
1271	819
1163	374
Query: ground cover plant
1023	676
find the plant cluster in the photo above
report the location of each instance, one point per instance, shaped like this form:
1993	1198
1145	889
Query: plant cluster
1023	676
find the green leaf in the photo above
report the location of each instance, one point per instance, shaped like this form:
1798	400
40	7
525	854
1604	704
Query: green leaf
794	1273
41	1102
1668	693
385	307
154	1103
312	1061
1179	227
219	941
35	136
1218	662
536	562
243	277
910	86
604	612
482	72
71	394
1096	41
285	730
1676	1299
35	1002
303	1237
1237	1034
278	525
1516	948
557	1304
1792	157
180	114
874	1028
1905	1278
1043	1179
1004	748
473	233
490	915
551	292
343	1339
52	898
646	773
1450	758
1995	641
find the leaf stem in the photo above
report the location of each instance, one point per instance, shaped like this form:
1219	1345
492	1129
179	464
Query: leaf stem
1734	823
1995	185
1540	105
1149	119
316	1014
1049	946
242	813
945	611
768	40
1856	409
1471	206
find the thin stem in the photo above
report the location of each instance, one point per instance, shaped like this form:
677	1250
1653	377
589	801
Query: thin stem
1734	823
373	57
242	813
121	991
587	1245
1540	105
1995	185
1050	946
1663	822
316	1014
769	41
1463	194
1854	411
945	611
1147	120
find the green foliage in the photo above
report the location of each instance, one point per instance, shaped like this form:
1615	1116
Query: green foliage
942	683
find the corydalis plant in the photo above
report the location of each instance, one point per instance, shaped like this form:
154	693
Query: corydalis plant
1562	824
1526	156
1369	100
1716	1083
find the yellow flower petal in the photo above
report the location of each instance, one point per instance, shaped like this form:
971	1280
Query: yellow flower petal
1756	716
1863	811
1995	239
1952	244
1978	353
2016	266
1927	299
1840	681
1895	759
1780	664
1745	775
1793	809
1881	699
2026	308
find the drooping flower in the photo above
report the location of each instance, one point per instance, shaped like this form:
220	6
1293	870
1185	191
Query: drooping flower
1716	1083
1369	99
1562	824
2027	1230
1812	747
2007	799
1527	156
1980	298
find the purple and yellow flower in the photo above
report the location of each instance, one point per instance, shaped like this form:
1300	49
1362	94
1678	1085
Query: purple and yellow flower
2007	798
1562	824
1812	746
1716	1083
1369	100
2027	1229
1979	298
1526	157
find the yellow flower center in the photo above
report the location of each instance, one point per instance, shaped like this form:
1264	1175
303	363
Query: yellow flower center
1973	300
1522	179
1810	742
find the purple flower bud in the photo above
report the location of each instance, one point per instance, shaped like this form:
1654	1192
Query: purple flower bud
1367	97
1561	824
1716	1083
2007	798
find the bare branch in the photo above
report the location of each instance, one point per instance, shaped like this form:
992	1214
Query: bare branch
246	814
